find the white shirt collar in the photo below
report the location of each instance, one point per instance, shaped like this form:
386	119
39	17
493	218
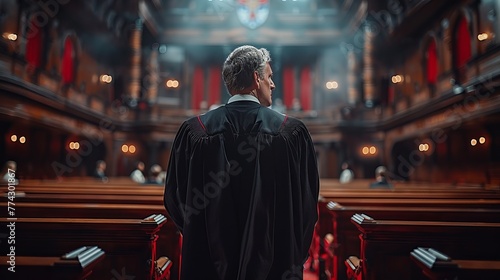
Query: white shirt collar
243	97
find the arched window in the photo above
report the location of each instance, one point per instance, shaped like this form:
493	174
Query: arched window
34	44
68	61
432	63
462	48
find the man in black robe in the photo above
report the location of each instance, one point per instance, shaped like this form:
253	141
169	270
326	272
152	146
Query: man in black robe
242	182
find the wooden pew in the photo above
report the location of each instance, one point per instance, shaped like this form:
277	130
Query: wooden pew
82	179
152	196
336	219
353	268
325	189
90	198
87	187
364	183
105	195
423	202
360	184
85	192
361	201
84	210
385	243
130	244
75	265
438	266
163	268
168	235
410	193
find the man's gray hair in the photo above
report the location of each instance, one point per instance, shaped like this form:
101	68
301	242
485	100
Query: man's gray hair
240	65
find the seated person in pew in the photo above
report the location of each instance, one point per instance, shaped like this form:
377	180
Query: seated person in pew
347	175
156	175
100	169
9	173
137	175
242	182
381	178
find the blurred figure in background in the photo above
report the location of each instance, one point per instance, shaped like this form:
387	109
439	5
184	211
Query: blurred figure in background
9	172
100	169
278	106
156	175
137	175
381	178
347	175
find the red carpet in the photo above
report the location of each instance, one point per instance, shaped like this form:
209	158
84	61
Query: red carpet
310	275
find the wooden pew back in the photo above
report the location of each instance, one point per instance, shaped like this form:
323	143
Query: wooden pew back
130	244
385	244
336	219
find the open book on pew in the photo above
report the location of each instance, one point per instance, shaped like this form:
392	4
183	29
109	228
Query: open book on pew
154	218
78	264
85	255
433	258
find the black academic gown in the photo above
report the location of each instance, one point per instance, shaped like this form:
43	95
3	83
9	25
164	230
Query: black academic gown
242	187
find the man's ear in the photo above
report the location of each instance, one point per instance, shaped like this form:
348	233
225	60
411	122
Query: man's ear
256	79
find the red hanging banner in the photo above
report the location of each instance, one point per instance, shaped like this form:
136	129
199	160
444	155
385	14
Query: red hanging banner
197	89
288	86
68	63
214	86
34	48
305	89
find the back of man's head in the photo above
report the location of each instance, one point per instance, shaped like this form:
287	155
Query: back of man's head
380	171
239	67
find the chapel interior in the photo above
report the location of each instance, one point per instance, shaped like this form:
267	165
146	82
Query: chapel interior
412	85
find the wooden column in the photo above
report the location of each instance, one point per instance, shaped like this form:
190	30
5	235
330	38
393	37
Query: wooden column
352	78
135	61
368	70
153	76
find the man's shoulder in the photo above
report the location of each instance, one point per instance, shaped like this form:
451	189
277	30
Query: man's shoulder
219	112
271	121
209	116
293	121
291	124
192	127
